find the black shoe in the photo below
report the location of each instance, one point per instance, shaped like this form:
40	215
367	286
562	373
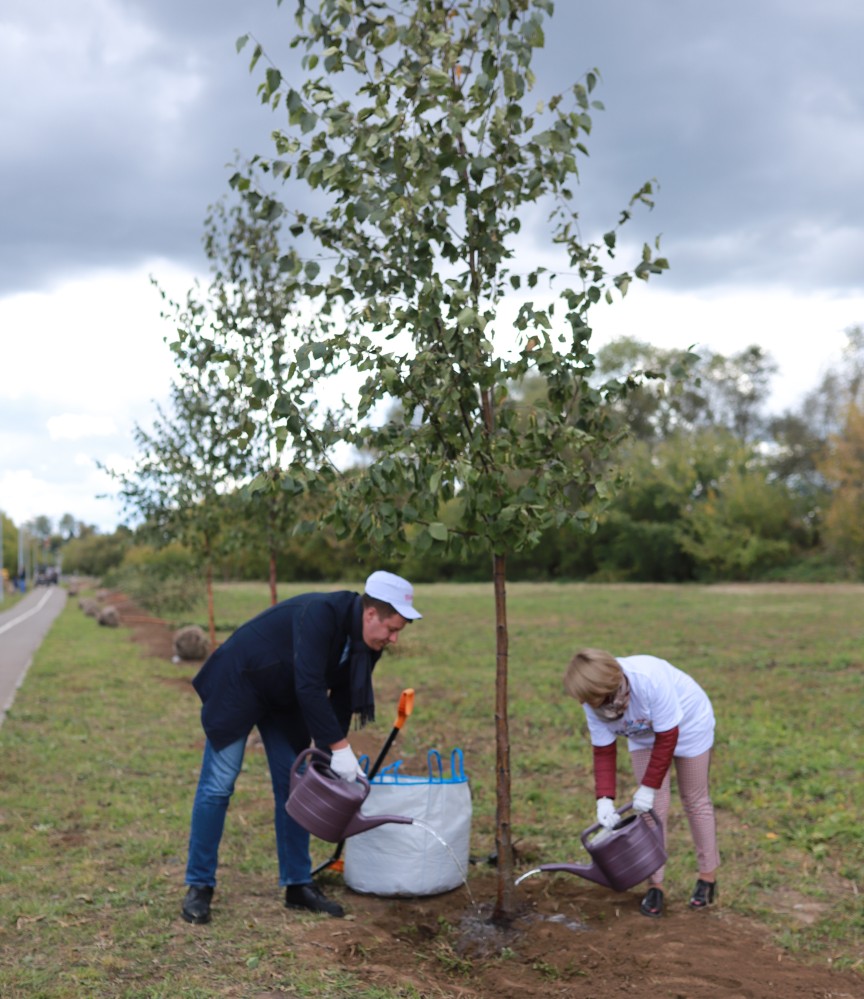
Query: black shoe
312	898
703	894
652	903
196	905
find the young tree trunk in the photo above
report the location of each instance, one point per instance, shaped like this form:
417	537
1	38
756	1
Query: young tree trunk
211	614
273	597
504	910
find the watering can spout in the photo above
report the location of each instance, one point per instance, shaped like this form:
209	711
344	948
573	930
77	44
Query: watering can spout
362	823
590	871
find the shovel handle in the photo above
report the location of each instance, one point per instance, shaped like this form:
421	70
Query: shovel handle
406	706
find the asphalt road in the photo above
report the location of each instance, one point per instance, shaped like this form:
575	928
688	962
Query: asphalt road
21	632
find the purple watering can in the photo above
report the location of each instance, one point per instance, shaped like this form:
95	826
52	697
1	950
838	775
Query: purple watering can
327	806
622	857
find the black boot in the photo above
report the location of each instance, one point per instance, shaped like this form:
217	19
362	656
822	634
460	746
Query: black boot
196	905
312	898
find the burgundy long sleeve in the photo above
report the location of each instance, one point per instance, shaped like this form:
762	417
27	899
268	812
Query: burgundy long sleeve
661	757
605	770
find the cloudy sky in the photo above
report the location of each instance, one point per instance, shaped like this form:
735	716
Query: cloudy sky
120	120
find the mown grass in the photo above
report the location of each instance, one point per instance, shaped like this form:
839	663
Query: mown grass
10	598
99	757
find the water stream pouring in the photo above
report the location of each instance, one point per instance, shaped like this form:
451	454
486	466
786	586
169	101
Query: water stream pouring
327	806
622	857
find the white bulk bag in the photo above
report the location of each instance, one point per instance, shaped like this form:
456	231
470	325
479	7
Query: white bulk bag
408	859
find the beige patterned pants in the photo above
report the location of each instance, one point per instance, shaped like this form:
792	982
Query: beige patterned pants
691	773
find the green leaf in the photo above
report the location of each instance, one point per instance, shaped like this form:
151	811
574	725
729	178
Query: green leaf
274	79
532	32
308	120
283	405
437	77
511	84
438	531
467	318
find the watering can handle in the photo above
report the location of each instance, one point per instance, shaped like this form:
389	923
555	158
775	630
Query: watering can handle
322	756
592	829
301	758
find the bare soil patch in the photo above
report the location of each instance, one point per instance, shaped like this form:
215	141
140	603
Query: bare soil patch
571	938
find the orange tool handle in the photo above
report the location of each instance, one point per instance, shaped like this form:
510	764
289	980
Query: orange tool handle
406	706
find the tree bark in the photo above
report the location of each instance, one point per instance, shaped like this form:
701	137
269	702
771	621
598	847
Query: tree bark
211	613
273	598
504	910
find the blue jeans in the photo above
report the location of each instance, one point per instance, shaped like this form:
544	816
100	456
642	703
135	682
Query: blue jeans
219	770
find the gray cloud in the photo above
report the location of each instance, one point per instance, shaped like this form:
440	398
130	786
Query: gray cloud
749	115
751	118
123	120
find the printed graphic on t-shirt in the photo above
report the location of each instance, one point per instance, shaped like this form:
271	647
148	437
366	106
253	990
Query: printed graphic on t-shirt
634	728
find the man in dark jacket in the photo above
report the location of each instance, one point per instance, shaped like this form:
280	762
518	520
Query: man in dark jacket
298	671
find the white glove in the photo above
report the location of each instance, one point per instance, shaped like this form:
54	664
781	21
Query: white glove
643	799
606	814
344	763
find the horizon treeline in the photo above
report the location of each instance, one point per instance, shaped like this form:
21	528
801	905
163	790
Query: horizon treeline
707	487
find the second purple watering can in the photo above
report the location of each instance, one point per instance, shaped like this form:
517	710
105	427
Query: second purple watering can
327	806
622	857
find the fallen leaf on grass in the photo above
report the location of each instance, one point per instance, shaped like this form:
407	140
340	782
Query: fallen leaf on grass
23	921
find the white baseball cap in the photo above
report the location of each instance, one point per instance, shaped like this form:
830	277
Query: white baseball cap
393	590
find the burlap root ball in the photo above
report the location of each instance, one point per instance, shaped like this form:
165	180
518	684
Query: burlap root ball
191	643
89	606
109	617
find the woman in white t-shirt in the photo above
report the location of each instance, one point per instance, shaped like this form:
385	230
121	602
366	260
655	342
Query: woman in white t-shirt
664	715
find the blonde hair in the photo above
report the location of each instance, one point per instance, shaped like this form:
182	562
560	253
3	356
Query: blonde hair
592	675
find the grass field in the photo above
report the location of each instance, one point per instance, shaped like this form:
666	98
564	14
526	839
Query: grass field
99	757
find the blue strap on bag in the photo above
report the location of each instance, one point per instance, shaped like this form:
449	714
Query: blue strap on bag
392	773
457	767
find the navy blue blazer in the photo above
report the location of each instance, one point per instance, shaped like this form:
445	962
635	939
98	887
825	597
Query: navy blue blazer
287	663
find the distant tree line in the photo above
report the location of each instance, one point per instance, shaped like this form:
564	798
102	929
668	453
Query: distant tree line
710	487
